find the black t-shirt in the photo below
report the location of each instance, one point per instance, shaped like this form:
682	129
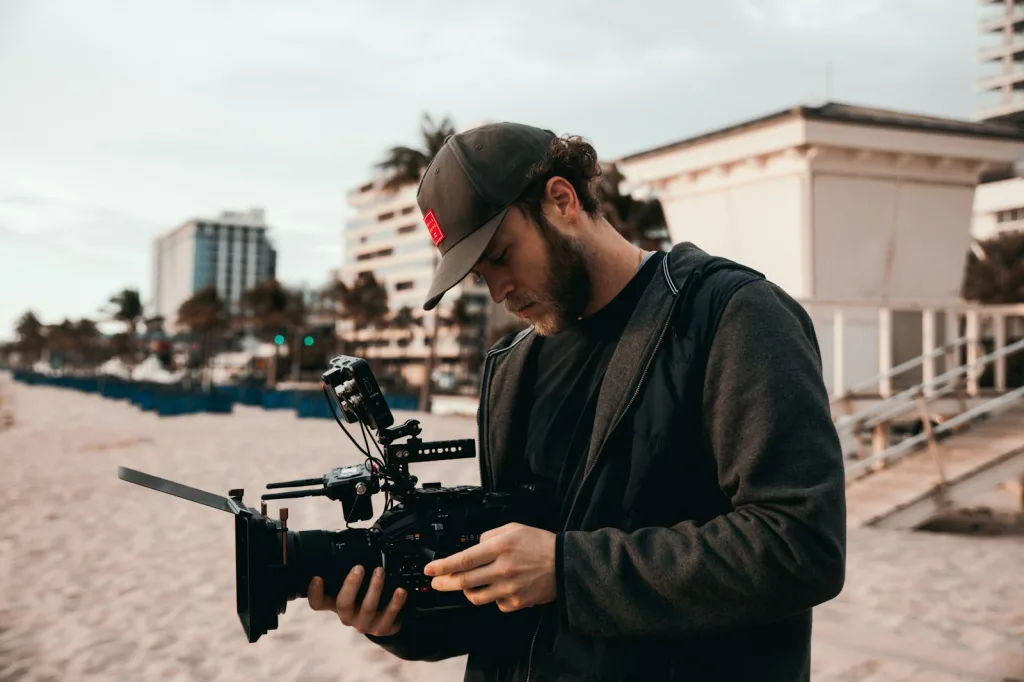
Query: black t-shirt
561	388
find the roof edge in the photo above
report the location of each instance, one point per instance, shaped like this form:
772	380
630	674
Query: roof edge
840	112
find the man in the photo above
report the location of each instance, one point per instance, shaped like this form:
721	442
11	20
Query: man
674	404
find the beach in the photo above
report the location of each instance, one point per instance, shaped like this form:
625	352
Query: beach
101	579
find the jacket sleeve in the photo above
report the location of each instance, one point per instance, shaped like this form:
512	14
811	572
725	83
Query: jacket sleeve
437	635
782	547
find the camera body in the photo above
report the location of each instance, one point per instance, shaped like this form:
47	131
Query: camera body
274	565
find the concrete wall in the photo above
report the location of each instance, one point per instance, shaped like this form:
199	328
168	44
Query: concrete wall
878	238
753	215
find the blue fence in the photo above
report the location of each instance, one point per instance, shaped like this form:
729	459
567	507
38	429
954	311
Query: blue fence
172	400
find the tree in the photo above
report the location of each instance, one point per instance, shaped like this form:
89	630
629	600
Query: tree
404	319
29	331
364	302
204	316
126	307
405	165
994	272
642	222
270	308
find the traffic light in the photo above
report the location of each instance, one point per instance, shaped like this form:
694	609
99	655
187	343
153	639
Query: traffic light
308	340
279	339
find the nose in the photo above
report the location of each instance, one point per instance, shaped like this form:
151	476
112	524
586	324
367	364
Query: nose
499	287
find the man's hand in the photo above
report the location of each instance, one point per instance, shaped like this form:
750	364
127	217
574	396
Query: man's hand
363	617
513	565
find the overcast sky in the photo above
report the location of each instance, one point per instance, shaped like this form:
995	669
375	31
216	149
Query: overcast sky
121	119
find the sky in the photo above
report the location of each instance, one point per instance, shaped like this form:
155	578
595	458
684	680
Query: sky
120	120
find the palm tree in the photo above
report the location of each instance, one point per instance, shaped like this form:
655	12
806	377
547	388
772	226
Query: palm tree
404	319
127	308
405	165
364	302
203	315
29	331
994	272
269	309
642	222
87	341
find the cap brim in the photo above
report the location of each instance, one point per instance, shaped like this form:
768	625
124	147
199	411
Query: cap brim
460	259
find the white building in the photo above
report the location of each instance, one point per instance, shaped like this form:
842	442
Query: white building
387	237
1002	54
231	252
998	208
863	215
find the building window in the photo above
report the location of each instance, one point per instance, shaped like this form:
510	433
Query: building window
407	210
1010	216
407	229
402	286
383	253
385	216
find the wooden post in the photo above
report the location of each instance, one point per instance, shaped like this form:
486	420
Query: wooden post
927	347
933	448
973	347
952	333
884	352
999	331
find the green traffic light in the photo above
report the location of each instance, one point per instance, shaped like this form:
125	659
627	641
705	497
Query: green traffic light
279	339
308	340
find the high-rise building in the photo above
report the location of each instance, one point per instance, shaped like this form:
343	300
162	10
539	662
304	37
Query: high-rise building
387	236
1002	53
231	252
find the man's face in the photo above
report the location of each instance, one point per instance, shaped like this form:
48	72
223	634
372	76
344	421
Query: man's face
539	272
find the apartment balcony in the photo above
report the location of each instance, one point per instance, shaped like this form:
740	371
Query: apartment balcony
997	23
1011	112
1013	79
1015	49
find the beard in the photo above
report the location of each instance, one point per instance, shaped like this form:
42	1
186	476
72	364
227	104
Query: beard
567	284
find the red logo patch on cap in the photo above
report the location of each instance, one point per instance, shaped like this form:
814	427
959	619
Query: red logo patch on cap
433	227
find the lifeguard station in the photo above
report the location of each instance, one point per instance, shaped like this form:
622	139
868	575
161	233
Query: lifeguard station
864	216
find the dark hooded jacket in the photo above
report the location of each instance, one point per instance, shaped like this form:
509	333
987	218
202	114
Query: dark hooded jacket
711	516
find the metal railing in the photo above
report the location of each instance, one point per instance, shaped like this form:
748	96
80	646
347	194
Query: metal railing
904	447
903	401
897	370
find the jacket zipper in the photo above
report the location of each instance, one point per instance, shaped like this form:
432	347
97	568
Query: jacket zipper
483	417
593	464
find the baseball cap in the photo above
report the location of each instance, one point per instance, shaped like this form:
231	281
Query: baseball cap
466	192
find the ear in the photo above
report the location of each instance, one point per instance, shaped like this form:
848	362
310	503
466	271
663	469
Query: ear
562	199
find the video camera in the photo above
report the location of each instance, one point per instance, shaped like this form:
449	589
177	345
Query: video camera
274	565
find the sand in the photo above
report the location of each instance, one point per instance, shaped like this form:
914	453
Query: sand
105	580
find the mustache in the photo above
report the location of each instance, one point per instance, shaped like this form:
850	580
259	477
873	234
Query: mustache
513	305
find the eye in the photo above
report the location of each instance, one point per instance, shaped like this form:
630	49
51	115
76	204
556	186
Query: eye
501	258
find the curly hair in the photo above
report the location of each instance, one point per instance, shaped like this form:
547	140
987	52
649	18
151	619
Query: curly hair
574	159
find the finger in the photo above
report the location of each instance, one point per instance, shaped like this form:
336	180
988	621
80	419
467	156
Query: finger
368	609
385	624
488	593
454	582
346	600
510	604
466	560
315	596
